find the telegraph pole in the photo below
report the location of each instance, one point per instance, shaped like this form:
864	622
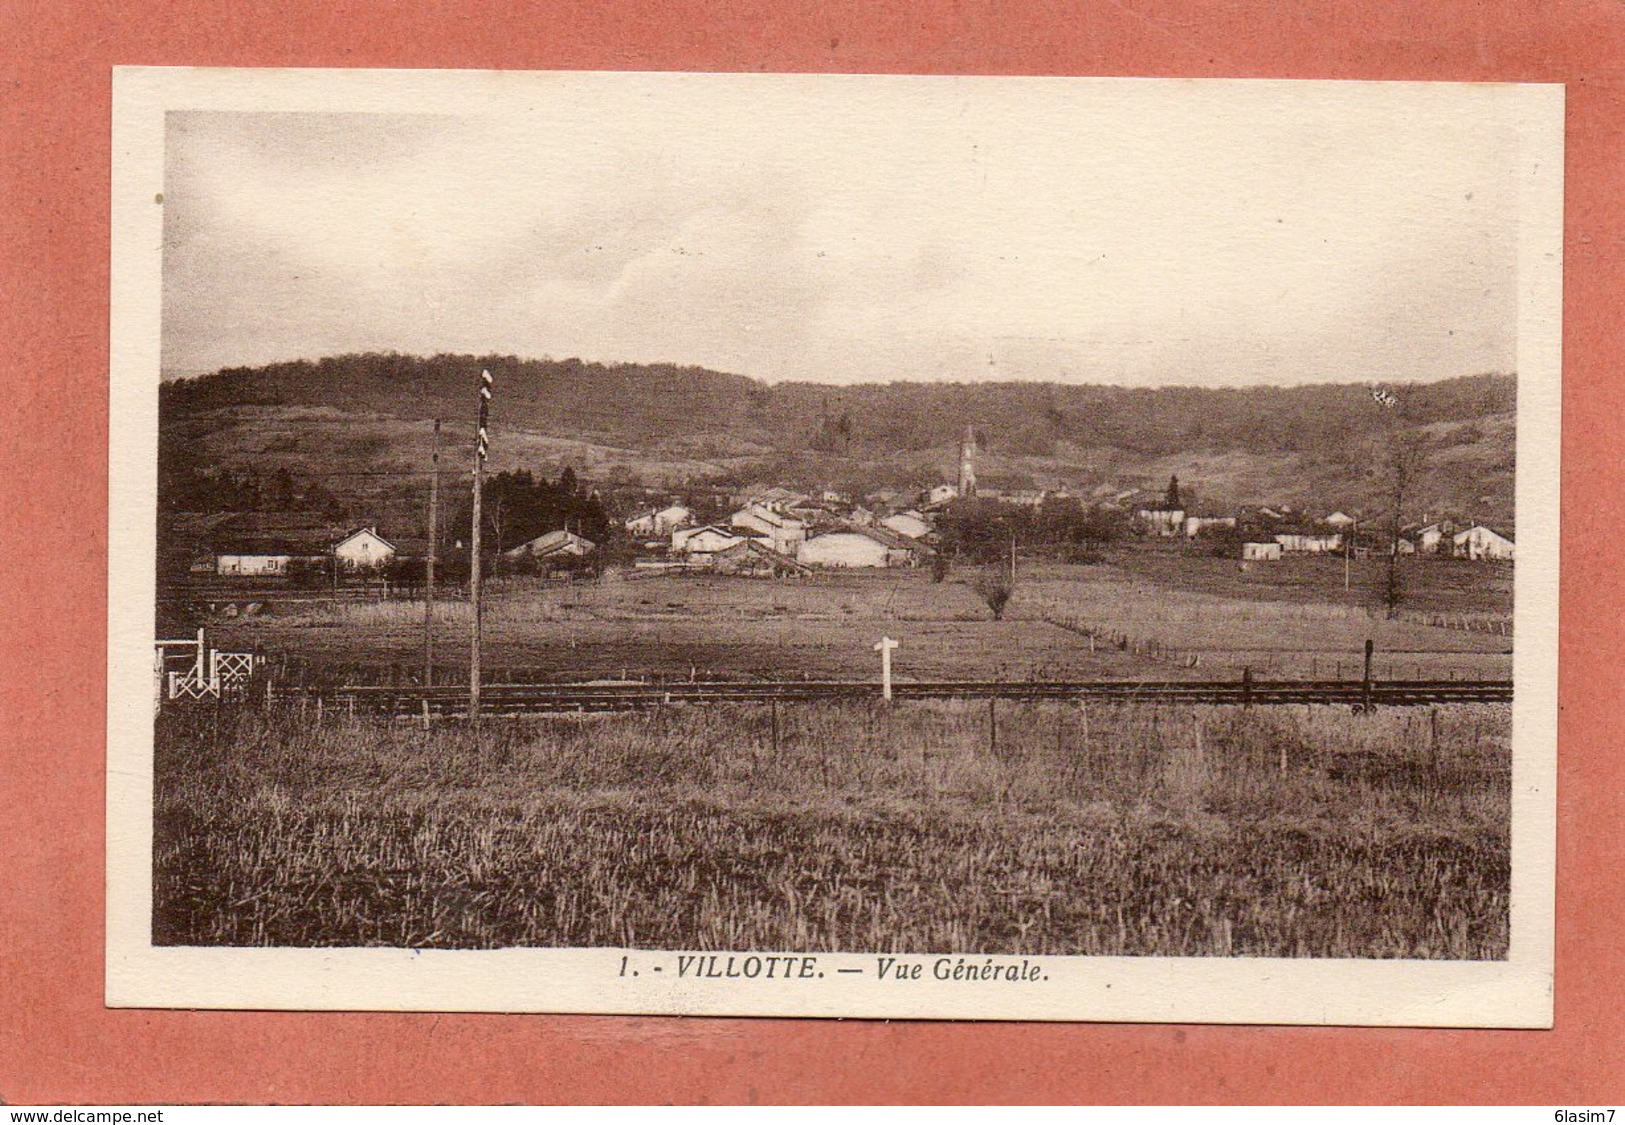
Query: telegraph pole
481	442
1348	546
434	546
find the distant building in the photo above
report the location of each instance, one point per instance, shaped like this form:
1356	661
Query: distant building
1339	520
269	544
777	499
939	494
865	547
555	545
1165	522
784	533
701	543
1429	538
754	559
1480	542
363	549
1309	542
909	523
266	556
1261	552
660	523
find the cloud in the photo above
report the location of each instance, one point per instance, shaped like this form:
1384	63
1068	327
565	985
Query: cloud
852	229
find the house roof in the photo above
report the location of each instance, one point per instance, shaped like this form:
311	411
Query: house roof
1462	535
762	550
552	543
883	535
369	530
766	515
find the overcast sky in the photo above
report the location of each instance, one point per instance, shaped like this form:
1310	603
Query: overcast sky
863	229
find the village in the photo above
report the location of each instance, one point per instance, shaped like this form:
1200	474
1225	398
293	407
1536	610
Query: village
777	532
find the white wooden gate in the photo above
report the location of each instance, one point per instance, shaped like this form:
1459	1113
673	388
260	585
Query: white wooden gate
189	669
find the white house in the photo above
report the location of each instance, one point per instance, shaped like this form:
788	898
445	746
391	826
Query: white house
701	544
1261	552
1429	538
553	545
1309	542
1339	520
854	547
909	523
660	523
1161	521
363	549
1480	542
784	533
269	550
249	563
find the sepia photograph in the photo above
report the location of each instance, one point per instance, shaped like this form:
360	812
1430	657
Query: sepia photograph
834	545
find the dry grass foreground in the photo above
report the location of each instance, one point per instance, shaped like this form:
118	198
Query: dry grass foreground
1116	830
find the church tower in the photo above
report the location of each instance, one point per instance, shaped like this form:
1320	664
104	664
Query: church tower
967	464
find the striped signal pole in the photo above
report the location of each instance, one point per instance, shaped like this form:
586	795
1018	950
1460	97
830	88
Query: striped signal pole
434	546
481	445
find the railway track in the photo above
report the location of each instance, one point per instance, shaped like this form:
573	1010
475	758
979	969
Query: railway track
521	699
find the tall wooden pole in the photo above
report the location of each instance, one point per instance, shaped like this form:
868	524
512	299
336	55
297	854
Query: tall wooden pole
434	546
481	440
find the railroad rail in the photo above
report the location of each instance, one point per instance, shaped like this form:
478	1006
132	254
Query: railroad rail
520	699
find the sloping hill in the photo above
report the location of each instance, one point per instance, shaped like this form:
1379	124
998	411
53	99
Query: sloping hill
1318	446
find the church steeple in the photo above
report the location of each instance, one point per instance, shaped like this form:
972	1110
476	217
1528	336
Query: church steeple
967	464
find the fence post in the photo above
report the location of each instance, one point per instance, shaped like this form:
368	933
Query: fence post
775	704
1083	715
1433	745
993	725
1246	687
1365	687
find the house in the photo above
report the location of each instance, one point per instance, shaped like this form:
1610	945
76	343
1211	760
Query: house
267	556
1430	537
269	544
777	499
700	545
753	558
1165	522
1195	525
1338	520
1309	542
364	549
909	523
555	545
784	533
1261	552
1480	542
860	547
660	523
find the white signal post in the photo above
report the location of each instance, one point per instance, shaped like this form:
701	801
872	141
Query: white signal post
884	647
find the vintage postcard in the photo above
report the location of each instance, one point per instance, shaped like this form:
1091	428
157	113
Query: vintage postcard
834	545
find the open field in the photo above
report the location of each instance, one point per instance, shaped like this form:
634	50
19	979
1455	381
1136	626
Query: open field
1071	622
1060	830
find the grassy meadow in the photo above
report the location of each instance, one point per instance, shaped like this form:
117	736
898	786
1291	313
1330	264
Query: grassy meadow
1029	828
1144	615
